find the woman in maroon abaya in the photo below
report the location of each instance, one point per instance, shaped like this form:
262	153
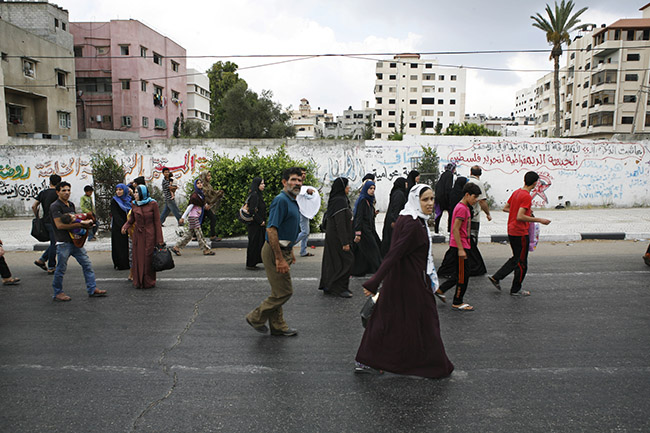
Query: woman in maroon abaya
147	233
403	333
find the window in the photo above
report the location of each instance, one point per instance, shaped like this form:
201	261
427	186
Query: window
107	119
378	100
586	84
378	123
56	22
157	90
452	102
428	113
94	84
441	77
428	65
124	50
393	65
429	77
413	113
413	125
391	113
175	95
78	51
145	122
631	77
452	90
126	121
15	114
440	113
157	58
627	120
587	66
380	64
391	101
143	51
64	120
629	98
143	85
380	76
62	26
175	66
633	57
453	78
61	78
441	89
413	101
126	84
413	89
452	113
441	101
102	51
630	35
414	65
159	124
428	100
378	112
391	90
573	56
391	124
4	56
29	68
392	77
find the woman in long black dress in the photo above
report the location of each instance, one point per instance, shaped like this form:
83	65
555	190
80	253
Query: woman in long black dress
337	254
412	179
120	207
403	333
367	245
257	227
395	205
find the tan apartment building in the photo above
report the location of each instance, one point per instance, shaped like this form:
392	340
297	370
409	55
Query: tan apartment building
37	71
425	92
544	96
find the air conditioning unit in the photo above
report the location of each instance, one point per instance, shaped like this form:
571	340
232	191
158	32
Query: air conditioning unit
99	118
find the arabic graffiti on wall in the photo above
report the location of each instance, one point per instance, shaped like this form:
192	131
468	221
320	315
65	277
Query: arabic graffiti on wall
22	191
18	172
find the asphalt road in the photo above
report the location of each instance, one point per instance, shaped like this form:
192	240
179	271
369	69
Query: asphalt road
180	358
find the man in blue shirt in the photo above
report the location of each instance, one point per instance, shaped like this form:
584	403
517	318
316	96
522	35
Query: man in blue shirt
282	227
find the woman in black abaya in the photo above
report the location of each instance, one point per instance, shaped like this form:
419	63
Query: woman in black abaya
120	207
337	255
367	245
257	227
397	201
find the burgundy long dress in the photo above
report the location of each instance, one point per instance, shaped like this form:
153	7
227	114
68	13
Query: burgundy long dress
403	333
147	234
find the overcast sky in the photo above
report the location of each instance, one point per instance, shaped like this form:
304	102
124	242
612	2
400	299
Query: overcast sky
237	27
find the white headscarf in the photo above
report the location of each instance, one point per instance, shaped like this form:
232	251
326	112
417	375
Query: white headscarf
414	209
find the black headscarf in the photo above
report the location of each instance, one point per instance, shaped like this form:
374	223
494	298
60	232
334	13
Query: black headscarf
255	184
411	178
399	185
338	200
368	176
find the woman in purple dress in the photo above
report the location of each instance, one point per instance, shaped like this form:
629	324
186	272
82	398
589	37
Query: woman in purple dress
403	333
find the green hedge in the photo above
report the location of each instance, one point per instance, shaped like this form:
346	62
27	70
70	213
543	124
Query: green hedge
234	176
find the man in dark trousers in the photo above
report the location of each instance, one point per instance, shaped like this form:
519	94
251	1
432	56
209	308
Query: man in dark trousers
65	248
44	199
282	227
520	216
443	190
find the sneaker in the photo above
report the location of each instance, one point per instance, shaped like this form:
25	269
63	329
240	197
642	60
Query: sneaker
364	369
495	282
520	293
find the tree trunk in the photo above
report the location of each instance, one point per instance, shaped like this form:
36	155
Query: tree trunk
556	83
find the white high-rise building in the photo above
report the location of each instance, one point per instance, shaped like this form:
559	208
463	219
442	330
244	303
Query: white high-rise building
198	97
423	91
524	111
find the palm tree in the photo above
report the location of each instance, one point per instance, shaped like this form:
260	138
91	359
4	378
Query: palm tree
560	22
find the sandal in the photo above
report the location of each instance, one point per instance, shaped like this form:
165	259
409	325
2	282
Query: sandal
440	296
40	264
11	281
208	253
98	294
307	255
463	307
50	271
175	251
61	297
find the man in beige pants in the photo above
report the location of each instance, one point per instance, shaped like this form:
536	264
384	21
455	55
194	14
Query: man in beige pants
282	229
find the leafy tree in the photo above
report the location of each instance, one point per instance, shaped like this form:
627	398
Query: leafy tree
223	77
107	173
234	176
560	22
247	115
438	127
395	136
429	166
467	128
369	131
193	129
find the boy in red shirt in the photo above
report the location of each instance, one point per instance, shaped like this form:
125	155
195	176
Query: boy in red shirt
520	216
454	262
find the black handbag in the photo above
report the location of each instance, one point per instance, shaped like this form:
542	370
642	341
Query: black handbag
39	231
162	259
368	308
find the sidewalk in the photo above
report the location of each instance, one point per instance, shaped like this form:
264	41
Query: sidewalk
566	226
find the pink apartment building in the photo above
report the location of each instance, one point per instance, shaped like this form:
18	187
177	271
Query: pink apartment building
129	78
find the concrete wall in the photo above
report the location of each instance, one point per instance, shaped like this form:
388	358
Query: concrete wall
580	171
